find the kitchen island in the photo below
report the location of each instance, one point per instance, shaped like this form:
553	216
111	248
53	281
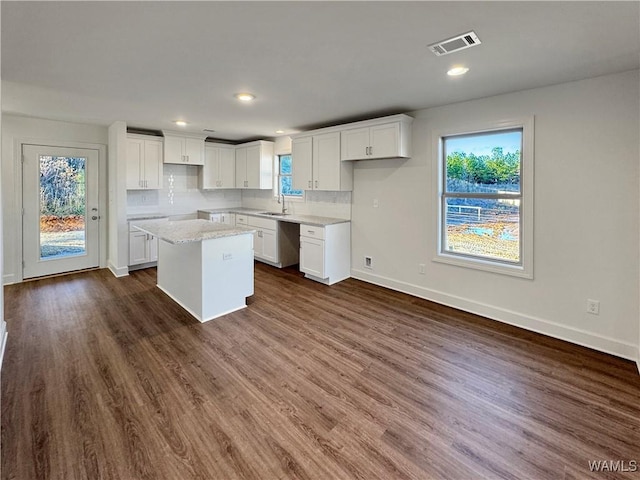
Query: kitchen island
207	268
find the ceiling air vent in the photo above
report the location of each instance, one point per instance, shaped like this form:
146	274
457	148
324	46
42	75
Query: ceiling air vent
455	44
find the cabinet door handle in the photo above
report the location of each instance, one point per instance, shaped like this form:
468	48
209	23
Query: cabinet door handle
316	183
311	232
310	184
370	150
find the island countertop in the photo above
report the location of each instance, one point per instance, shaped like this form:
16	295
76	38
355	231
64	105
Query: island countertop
186	231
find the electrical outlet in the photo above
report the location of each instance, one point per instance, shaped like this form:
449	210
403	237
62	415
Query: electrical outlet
227	256
368	262
375	203
593	307
421	268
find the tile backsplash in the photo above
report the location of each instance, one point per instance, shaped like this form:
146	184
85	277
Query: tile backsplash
180	195
325	204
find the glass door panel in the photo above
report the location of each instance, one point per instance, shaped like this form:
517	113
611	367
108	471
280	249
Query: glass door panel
63	206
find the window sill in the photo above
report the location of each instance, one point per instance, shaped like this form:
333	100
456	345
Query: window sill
485	265
288	199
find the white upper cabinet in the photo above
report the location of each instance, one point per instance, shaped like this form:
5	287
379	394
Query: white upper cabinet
219	170
388	137
183	149
302	165
317	165
355	143
144	162
254	165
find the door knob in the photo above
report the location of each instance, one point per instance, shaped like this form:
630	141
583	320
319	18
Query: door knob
95	217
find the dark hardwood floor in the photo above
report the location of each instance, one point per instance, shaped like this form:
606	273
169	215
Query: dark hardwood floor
107	378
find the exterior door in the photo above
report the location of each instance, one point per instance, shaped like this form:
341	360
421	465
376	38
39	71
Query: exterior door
60	223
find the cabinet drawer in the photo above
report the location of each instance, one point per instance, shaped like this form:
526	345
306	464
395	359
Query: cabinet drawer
241	219
311	231
263	223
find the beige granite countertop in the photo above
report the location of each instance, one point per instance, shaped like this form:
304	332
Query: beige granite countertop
185	231
291	218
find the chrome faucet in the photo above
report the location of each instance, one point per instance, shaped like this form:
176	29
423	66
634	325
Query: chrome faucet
284	210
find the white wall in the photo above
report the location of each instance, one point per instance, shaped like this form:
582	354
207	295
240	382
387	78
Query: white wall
15	128
586	231
3	324
118	257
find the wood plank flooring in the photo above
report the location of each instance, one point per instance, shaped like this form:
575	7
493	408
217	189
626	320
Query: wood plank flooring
108	378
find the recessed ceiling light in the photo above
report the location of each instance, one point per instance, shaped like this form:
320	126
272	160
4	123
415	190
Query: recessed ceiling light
245	97
180	123
279	131
456	71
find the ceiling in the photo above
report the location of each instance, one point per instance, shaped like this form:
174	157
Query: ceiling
309	64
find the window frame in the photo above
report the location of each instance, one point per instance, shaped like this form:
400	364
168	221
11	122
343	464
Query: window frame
279	175
524	268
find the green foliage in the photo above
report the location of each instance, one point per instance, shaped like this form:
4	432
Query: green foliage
497	168
62	186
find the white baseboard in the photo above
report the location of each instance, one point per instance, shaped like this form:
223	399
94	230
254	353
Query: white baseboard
3	336
118	271
9	279
570	334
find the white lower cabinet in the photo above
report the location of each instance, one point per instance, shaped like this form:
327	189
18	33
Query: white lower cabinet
224	218
143	248
312	257
265	240
325	252
274	242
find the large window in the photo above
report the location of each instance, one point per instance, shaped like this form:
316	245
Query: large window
284	177
482	197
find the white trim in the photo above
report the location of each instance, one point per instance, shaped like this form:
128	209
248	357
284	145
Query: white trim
8	279
102	193
118	272
276	180
526	234
546	327
4	335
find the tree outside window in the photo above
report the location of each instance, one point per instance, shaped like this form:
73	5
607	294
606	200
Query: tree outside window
285	179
